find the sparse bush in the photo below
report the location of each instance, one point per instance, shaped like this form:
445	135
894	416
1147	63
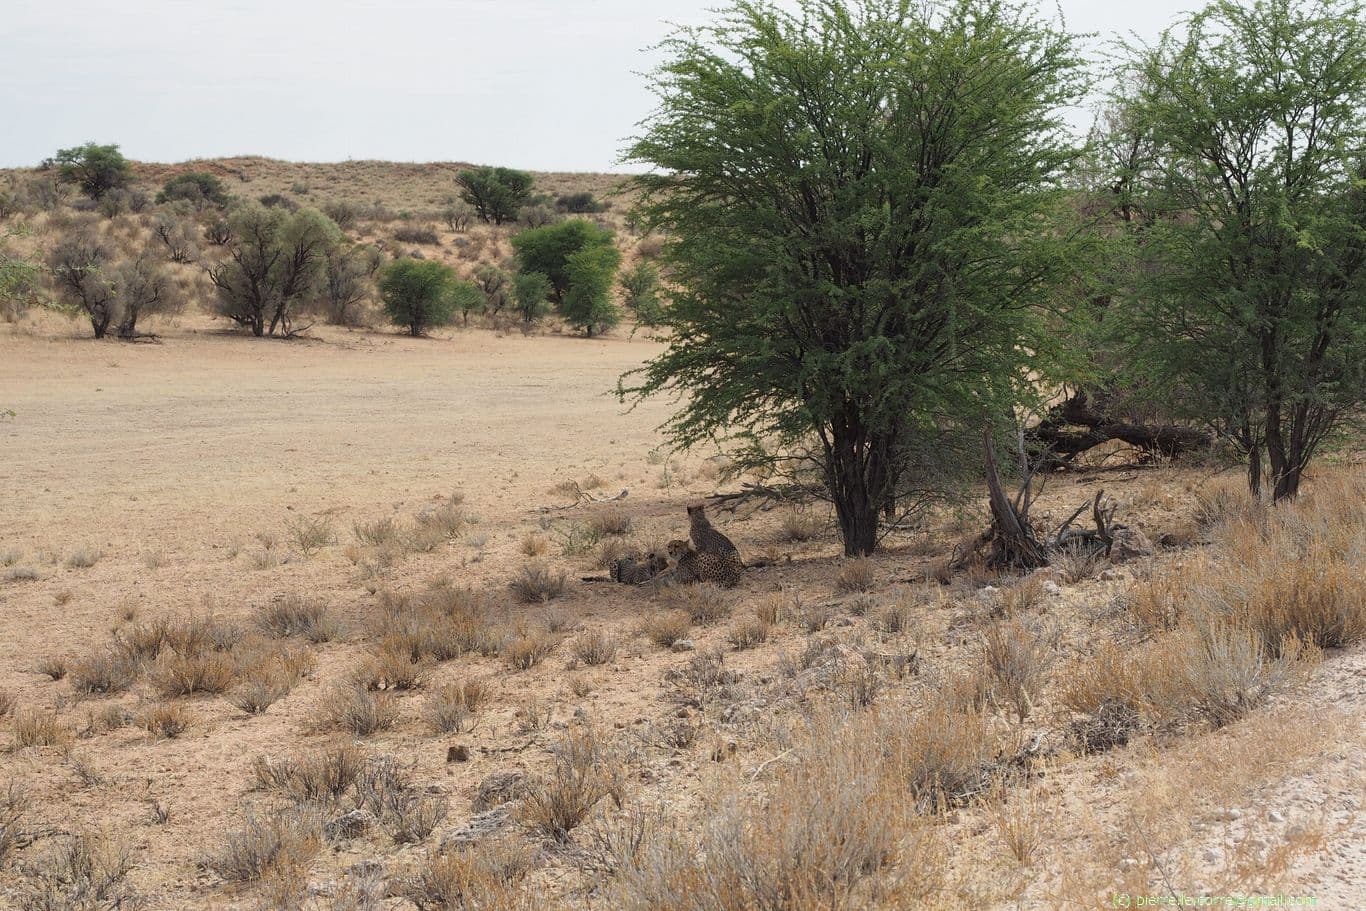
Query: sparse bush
538	216
347	284
166	720
595	647
559	802
260	687
288	838
343	213
356	709
81	872
457	214
529	647
312	533
412	234
537	584
1224	671
452	704
392	667
107	671
484	874
580	203
180	673
405	813
665	627
177	236
38	728
611	522
748	632
292	615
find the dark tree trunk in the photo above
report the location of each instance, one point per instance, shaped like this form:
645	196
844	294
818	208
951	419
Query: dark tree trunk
856	475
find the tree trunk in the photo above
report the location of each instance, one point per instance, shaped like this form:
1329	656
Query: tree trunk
856	476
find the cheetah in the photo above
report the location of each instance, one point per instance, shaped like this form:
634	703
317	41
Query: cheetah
707	539
633	569
691	566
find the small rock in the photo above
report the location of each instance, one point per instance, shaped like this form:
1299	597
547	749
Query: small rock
458	753
684	645
1128	863
1111	575
1213	856
1052	588
1275	815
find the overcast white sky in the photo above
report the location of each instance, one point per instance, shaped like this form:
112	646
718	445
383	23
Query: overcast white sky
535	84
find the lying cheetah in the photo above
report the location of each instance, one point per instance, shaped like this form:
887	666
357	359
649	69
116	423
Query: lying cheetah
691	566
633	569
707	539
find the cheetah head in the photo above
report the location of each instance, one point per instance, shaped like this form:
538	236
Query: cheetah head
679	549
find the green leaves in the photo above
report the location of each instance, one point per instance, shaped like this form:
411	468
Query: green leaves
859	200
95	168
421	293
495	193
1246	299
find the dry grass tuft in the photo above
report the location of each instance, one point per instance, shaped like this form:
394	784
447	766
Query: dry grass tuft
529	646
855	575
702	603
39	728
317	778
182	673
537	584
264	847
54	666
595	647
797	524
485	874
534	545
452	704
79	872
748	632
407	814
665	627
584	773
391	667
109	671
166	720
312	533
83	558
354	708
1016	658
7	702
292	615
610	522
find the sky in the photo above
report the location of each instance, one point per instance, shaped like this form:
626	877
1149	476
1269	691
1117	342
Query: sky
536	84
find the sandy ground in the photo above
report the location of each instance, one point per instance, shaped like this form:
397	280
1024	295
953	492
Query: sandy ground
177	461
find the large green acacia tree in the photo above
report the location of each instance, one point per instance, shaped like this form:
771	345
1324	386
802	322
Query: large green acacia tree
862	203
1249	299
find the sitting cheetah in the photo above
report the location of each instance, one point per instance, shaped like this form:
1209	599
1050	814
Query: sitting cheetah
633	569
691	566
707	539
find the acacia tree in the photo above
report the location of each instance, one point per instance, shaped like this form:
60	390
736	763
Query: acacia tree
588	303
95	168
275	258
418	294
496	193
110	293
859	200
1249	292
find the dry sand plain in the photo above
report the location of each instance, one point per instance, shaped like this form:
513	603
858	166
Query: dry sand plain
185	465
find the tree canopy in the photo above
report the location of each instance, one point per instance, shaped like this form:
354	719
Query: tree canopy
866	232
418	294
495	193
1247	289
547	249
95	168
